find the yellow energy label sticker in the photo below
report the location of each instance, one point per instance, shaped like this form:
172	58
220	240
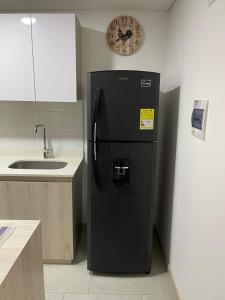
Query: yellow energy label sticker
147	116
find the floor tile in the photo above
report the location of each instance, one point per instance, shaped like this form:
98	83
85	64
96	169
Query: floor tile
54	296
75	279
66	278
139	284
158	297
101	297
157	283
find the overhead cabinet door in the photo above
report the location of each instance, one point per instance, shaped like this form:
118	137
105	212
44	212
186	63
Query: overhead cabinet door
16	62
54	48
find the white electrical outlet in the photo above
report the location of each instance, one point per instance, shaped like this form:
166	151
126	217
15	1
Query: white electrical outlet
210	2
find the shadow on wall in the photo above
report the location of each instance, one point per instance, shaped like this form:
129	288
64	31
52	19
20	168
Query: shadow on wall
168	123
95	53
96	56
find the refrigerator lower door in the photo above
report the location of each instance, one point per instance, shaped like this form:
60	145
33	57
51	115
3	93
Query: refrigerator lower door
120	198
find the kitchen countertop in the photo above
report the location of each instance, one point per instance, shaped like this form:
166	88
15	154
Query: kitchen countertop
14	245
73	162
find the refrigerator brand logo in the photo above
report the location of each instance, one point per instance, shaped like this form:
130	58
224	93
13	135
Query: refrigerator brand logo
146	83
124	78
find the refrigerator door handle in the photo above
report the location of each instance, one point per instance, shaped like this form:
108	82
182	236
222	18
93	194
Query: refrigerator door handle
94	142
96	108
95	131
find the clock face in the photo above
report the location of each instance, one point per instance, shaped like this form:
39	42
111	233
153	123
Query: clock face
124	35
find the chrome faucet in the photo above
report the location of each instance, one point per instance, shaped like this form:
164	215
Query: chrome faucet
47	152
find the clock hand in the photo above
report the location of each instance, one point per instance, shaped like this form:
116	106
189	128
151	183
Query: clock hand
117	40
129	34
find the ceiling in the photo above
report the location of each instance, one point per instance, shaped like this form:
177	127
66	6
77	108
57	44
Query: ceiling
86	4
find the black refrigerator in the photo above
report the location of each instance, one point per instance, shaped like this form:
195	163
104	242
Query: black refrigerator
121	118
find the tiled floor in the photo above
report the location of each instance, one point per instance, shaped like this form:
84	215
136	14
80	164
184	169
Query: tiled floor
75	282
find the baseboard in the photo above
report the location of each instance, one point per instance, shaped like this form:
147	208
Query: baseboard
174	284
160	246
57	262
167	264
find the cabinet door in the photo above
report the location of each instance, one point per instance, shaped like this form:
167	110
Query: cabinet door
14	200
54	46
16	61
51	202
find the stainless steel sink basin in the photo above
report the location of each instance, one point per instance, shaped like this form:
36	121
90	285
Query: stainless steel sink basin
40	165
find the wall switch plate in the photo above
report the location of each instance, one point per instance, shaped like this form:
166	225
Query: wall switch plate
199	118
210	2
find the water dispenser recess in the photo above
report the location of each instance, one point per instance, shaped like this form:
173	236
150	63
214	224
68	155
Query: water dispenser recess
121	171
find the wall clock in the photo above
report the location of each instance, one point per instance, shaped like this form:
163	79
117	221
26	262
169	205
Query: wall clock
124	35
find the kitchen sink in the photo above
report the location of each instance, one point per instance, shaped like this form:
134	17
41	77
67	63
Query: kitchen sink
40	165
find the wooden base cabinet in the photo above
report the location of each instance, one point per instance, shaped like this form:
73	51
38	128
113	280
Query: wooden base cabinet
21	268
14	200
54	204
51	202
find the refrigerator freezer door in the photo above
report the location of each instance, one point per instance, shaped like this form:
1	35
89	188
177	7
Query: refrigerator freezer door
123	105
119	215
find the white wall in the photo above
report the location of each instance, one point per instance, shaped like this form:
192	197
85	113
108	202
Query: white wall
97	55
196	62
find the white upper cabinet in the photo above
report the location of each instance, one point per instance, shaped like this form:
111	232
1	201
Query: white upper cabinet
55	53
16	62
39	57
